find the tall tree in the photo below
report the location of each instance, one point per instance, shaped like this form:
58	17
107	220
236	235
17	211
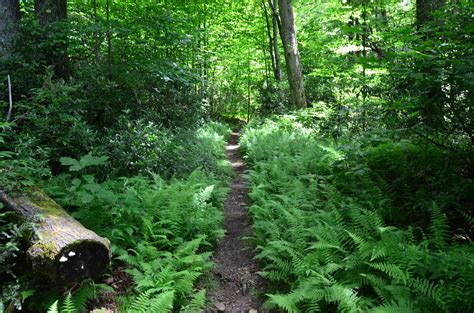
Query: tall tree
292	55
9	16
47	13
272	33
276	50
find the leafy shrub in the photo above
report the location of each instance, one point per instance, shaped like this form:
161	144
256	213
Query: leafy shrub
273	99
14	289
415	175
141	147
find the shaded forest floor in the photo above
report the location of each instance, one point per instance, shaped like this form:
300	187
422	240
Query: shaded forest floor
236	270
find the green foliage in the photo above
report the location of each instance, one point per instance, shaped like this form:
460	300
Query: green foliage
14	289
140	147
162	229
164	278
77	302
85	161
323	236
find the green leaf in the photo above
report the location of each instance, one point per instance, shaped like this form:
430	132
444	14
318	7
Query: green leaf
74	165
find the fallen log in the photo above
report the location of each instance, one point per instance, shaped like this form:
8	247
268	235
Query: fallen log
60	248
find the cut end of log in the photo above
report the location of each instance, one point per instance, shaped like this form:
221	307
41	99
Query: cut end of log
81	260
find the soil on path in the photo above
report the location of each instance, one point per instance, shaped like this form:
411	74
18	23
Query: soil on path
236	270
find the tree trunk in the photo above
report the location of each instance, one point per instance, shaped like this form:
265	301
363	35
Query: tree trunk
271	38
48	12
292	56
60	248
9	16
276	30
96	32
109	38
276	50
425	9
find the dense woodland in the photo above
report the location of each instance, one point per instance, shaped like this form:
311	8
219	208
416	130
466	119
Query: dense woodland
356	121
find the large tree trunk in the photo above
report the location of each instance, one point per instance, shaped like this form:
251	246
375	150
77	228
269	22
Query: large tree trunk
60	248
48	12
292	56
9	16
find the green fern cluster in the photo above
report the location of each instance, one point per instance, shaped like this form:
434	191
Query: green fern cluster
157	227
163	229
166	279
326	246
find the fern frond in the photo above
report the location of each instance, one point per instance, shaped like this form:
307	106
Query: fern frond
287	302
142	302
68	305
54	307
162	303
197	303
439	227
396	307
392	270
427	288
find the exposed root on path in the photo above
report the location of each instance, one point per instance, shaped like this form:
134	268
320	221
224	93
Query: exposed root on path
236	270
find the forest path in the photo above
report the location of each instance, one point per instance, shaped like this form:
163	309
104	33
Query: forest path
236	270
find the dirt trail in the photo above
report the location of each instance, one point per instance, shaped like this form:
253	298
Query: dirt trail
236	271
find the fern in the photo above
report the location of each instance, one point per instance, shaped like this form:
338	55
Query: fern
142	302
196	304
162	303
396	307
68	305
439	227
323	233
54	307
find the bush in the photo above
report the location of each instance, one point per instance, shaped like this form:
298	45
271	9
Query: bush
141	147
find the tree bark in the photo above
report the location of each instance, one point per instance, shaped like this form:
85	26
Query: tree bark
60	248
425	9
48	12
292	56
9	17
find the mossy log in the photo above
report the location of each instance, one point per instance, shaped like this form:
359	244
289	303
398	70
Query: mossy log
60	248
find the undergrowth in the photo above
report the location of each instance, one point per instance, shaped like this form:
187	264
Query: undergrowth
162	230
323	221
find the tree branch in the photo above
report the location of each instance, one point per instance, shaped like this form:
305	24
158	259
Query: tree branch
10	99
